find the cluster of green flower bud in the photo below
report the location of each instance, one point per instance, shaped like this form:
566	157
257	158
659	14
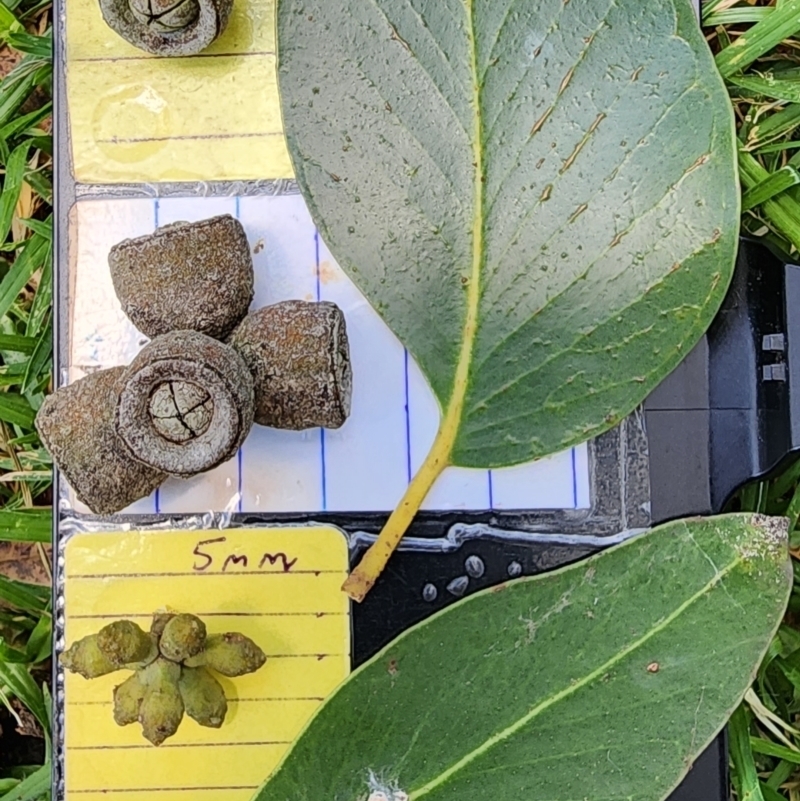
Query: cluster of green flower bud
172	666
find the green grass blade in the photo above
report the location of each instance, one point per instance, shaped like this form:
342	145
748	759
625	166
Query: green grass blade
745	775
768	85
14	96
715	6
44	297
30	525
8	20
785	483
16	410
35	787
770	794
25	597
40	359
45	227
782	772
40	642
782	211
9	654
39	46
34	9
17	344
778	147
43	143
775	184
736	16
26	121
26	476
29	259
769	748
761	38
20	683
12	185
39	182
774	126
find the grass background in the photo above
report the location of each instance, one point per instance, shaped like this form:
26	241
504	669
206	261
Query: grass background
26	268
762	71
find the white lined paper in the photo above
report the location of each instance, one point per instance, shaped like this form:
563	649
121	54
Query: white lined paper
364	466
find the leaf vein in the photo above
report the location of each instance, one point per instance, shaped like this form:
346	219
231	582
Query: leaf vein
579	277
580	58
424	69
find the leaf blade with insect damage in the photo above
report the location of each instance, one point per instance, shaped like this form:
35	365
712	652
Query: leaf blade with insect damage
521	191
604	664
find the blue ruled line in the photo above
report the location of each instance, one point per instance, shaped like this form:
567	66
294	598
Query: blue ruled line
239	460
408	422
322	430
324	484
574	482
157	495
239	457
316	253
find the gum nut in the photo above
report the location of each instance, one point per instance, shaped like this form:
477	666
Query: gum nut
230	654
86	658
123	642
166	15
183	637
161	710
186	403
160	620
76	424
128	698
299	356
185	276
203	697
167	27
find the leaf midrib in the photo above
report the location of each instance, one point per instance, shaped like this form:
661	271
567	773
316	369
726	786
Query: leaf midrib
363	577
451	421
572	688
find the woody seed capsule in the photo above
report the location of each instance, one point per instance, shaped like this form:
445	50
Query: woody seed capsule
299	356
196	276
76	424
160	620
186	403
167	27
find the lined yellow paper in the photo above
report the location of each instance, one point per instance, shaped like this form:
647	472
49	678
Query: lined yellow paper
281	587
138	118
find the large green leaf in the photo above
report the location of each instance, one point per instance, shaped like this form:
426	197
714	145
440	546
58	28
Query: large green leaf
539	198
602	680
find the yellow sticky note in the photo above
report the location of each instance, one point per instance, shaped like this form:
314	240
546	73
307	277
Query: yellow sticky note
280	587
137	118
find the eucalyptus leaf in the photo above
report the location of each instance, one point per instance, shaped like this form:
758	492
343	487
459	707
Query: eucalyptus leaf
540	199
602	680
389	107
